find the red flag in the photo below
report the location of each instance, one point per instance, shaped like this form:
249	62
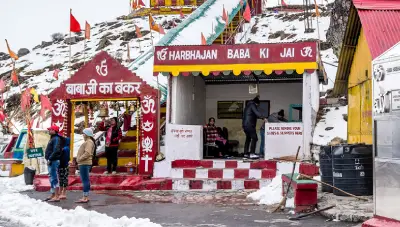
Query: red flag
2	116
55	73
45	104
224	14
87	30
2	85
74	25
161	29
138	33
247	13
14	77
283	3
203	39
26	99
141	3
181	14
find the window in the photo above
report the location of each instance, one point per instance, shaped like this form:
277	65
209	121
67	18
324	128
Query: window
22	141
230	109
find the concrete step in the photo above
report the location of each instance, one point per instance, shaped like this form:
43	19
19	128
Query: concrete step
120	169
226	173
224	164
122	161
218	184
127	146
128	139
121	153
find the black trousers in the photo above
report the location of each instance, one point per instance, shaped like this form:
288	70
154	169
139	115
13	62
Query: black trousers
112	158
251	140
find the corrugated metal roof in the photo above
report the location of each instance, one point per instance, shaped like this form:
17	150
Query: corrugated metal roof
380	20
349	45
382	29
377	4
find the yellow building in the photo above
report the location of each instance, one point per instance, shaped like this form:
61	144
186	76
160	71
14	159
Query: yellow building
371	30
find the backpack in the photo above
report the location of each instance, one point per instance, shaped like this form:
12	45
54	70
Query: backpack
95	159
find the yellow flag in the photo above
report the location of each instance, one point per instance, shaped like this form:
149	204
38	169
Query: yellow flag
35	95
316	9
11	53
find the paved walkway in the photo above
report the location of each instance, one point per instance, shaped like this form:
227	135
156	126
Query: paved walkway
190	209
347	208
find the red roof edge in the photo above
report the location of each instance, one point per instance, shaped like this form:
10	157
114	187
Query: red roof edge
377	4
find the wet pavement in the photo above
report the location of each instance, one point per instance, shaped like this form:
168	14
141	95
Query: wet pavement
217	209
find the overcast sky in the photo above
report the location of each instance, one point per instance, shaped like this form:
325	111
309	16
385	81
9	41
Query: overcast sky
25	23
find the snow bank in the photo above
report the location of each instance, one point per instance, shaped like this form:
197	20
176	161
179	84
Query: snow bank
332	126
271	194
34	213
13	185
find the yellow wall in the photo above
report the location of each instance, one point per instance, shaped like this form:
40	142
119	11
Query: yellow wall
359	124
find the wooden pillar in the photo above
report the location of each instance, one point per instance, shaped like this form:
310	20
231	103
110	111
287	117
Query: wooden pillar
72	131
85	112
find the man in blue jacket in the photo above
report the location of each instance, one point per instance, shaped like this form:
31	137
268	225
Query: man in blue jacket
53	155
249	123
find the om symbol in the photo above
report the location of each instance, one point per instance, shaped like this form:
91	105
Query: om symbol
102	69
306	52
59	108
148	105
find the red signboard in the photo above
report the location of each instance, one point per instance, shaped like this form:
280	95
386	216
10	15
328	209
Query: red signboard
236	54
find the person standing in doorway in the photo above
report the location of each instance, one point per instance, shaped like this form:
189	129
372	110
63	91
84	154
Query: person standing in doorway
52	156
113	136
84	160
249	123
63	170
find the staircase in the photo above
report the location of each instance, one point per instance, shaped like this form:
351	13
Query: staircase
126	150
221	174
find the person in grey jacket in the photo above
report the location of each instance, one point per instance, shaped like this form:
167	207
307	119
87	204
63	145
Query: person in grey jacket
249	123
277	117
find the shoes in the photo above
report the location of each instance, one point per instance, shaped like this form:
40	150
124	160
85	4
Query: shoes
254	156
105	173
114	172
246	156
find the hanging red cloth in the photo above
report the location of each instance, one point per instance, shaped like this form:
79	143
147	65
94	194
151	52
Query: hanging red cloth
127	121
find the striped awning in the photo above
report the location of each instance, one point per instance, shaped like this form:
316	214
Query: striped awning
244	59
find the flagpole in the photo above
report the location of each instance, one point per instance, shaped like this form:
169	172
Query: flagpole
84	51
69	61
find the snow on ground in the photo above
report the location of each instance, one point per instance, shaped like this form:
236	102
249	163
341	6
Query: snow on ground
271	194
333	125
30	212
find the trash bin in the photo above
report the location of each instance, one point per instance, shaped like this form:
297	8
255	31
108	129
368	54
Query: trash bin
29	174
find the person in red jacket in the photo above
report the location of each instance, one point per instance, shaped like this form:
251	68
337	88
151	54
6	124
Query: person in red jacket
113	136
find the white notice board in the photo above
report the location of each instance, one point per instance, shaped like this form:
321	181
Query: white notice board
283	139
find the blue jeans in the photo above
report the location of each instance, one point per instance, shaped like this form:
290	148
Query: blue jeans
262	144
53	170
84	173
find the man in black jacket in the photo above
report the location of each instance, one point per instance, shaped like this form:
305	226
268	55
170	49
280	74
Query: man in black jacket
251	114
53	155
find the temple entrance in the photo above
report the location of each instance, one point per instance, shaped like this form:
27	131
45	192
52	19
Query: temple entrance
103	89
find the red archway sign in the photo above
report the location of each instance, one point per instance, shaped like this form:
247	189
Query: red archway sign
105	78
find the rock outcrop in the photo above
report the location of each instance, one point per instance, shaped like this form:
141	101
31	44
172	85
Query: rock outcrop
339	15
